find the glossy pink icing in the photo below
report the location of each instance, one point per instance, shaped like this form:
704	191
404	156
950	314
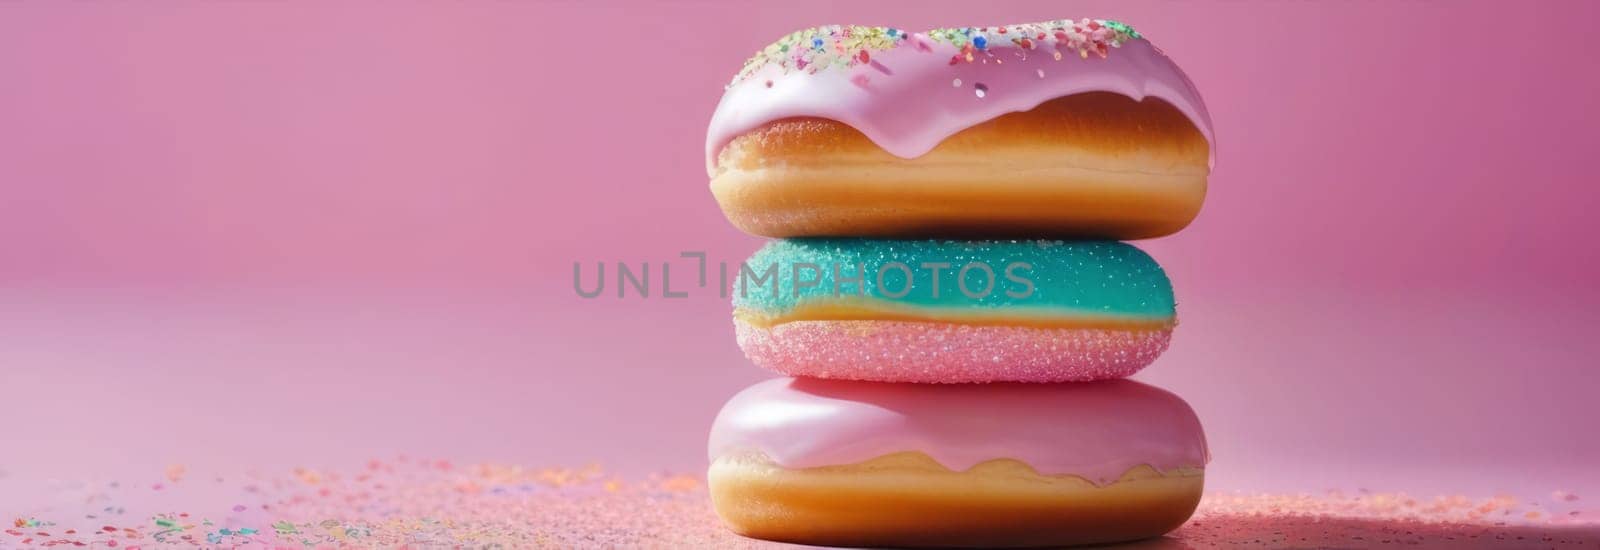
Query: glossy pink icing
1097	430
907	99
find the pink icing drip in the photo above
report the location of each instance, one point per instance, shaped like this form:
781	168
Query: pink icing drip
906	102
1097	430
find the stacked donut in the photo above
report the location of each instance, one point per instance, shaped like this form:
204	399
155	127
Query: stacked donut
965	392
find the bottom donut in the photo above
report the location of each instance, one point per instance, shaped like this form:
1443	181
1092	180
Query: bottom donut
997	465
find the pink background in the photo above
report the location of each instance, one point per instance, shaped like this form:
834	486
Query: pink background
262	235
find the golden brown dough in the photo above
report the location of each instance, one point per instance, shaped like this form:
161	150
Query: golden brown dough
907	499
1092	165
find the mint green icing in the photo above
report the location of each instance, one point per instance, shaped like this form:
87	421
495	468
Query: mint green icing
1098	277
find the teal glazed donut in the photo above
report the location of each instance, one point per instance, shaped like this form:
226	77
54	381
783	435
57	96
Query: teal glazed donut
928	311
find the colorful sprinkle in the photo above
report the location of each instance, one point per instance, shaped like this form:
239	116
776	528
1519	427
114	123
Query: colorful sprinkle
418	504
823	48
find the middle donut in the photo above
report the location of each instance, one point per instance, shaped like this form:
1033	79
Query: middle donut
925	311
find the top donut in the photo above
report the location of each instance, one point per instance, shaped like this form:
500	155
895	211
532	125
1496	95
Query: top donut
1060	129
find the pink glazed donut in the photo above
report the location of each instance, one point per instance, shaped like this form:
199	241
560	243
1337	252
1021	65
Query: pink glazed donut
1059	129
873	464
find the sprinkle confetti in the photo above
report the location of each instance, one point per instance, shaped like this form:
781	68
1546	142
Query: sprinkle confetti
421	503
838	46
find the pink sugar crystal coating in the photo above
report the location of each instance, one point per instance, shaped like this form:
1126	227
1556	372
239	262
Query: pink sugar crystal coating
934	353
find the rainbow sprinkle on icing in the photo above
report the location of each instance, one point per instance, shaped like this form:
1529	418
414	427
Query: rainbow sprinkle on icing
815	49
